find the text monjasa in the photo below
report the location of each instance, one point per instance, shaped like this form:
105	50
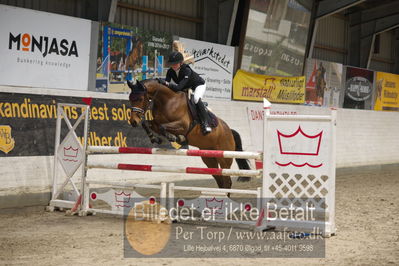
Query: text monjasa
43	44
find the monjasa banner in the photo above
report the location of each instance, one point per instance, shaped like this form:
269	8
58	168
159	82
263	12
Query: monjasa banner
37	53
28	121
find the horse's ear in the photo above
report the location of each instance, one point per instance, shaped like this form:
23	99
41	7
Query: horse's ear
131	85
140	87
136	87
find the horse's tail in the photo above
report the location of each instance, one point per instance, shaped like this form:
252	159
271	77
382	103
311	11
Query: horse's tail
242	163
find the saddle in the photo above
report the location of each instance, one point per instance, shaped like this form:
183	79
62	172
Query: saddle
212	119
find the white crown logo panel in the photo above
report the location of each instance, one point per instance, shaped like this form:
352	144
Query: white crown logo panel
299	163
70	154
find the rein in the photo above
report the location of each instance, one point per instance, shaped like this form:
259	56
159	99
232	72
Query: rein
151	101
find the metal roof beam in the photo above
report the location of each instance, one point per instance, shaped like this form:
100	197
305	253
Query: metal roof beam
368	32
386	24
308	4
378	26
329	7
112	10
396	53
380	11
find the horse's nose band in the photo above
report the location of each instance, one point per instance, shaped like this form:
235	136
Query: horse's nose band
138	110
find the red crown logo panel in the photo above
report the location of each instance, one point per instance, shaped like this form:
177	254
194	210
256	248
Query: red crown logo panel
299	146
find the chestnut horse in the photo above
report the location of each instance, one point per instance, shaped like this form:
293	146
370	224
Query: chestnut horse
173	120
134	56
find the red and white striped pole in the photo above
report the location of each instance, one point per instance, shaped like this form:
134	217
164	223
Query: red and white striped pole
183	152
175	169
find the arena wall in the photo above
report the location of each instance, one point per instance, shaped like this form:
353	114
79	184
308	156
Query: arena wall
364	139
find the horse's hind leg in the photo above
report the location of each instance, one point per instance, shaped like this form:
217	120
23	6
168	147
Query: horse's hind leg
222	181
225	163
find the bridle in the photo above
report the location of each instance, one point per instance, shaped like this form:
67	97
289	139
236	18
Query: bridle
148	107
138	110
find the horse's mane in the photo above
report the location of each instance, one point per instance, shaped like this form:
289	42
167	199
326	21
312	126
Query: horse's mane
150	81
154	82
141	86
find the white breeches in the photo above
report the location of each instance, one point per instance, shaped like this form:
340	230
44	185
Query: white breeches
199	92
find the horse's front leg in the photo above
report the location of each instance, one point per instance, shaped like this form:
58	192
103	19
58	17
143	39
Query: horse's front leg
150	133
173	131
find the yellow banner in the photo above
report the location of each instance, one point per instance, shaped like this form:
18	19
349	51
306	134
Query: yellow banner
254	87
387	98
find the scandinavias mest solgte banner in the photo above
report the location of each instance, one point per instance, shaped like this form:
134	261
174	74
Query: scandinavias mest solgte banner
40	49
214	62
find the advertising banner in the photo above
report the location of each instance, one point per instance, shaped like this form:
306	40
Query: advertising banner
358	88
39	49
387	92
129	53
323	83
215	63
275	37
253	87
27	124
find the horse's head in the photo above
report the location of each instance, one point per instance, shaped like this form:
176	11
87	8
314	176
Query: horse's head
140	45
139	100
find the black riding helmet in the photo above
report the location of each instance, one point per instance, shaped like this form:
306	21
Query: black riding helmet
175	57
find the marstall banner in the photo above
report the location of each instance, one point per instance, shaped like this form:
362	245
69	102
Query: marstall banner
215	63
358	88
28	121
323	83
387	98
129	53
254	87
39	49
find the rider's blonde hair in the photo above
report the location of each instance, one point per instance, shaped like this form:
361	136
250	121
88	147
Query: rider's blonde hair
179	47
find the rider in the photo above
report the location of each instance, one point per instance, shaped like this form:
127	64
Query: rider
184	78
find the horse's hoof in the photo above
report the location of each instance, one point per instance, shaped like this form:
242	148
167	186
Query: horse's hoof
172	139
156	140
182	140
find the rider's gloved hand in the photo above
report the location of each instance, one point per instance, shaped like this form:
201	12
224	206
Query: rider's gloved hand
163	82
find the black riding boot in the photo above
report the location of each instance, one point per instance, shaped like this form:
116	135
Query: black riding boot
203	117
